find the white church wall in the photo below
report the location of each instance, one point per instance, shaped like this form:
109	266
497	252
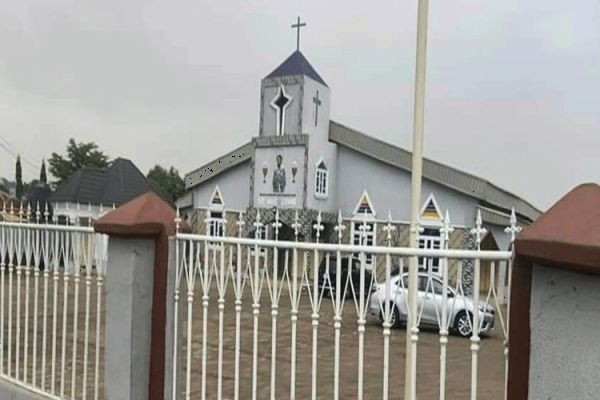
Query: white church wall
319	145
268	117
389	189
234	185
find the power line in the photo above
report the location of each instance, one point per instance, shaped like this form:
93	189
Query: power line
11	149
12	153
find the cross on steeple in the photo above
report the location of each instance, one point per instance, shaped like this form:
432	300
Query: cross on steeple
297	26
317	102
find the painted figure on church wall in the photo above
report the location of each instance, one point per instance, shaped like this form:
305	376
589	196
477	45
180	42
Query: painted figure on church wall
279	176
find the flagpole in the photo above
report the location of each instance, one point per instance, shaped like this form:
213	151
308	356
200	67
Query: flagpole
410	379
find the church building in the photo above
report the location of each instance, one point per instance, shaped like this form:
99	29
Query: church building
301	162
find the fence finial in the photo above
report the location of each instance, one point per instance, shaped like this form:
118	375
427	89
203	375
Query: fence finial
446	230
339	228
513	229
240	223
29	212
38	213
177	220
277	224
257	224
389	228
479	231
296	225
318	227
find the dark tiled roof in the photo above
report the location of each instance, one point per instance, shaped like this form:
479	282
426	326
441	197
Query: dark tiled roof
118	184
296	64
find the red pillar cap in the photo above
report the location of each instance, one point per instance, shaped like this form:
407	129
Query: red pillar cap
145	216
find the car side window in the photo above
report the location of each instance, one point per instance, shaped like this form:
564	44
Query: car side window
403	283
422	283
437	286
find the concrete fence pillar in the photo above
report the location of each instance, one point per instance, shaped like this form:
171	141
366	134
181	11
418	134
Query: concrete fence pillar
136	298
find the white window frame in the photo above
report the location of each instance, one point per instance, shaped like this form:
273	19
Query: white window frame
432	220
434	242
215	224
321	180
358	240
358	219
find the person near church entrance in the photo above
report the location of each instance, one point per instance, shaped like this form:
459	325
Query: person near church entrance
279	176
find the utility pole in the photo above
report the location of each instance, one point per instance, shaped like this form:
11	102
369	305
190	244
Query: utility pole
410	379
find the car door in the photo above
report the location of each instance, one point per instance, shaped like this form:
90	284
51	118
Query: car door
426	301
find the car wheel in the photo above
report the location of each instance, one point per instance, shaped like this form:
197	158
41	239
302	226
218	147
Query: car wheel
464	324
395	319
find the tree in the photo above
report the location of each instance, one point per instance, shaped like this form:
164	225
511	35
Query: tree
78	155
43	177
19	179
168	181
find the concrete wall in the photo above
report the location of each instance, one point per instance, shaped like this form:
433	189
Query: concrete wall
234	185
389	189
565	322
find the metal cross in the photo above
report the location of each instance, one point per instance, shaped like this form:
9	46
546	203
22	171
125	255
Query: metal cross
317	102
479	231
298	25
513	229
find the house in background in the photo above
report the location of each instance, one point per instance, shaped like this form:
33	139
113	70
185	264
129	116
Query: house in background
91	192
302	163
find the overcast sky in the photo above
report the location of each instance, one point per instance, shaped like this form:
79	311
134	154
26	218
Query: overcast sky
513	86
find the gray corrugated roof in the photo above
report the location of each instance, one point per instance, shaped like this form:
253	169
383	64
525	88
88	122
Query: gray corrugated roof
118	184
463	182
296	64
221	164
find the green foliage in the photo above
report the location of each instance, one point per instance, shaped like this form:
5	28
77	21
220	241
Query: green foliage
19	179
78	155
168	181
43	176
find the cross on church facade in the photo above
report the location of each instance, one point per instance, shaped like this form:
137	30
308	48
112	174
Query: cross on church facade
317	102
298	25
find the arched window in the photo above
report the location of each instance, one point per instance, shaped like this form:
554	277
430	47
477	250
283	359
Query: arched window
364	227
321	180
430	238
216	215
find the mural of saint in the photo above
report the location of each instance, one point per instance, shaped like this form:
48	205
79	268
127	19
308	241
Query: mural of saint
279	176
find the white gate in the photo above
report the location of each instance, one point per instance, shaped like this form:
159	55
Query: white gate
287	319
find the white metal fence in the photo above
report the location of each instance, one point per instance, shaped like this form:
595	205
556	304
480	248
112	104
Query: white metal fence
51	306
325	330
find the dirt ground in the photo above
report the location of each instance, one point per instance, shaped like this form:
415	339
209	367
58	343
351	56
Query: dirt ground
491	357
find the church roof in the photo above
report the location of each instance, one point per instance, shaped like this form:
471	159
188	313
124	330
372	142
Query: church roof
118	184
471	185
296	64
221	164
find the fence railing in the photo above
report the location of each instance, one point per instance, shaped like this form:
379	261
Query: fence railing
326	328
51	307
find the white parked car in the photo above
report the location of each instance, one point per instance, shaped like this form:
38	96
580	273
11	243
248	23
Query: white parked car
429	302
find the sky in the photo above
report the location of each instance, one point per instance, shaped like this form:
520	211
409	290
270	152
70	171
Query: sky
513	87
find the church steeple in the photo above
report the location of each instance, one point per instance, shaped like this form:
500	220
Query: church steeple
296	64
